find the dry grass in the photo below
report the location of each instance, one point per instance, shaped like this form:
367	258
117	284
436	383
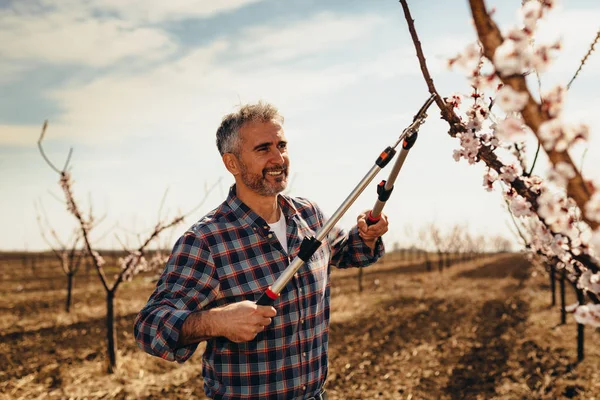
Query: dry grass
480	329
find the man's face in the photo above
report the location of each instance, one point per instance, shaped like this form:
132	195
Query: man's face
263	157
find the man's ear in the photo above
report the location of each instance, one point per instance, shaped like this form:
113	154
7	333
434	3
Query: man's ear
231	163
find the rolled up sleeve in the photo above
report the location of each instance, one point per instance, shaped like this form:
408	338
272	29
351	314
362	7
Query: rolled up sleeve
189	283
349	250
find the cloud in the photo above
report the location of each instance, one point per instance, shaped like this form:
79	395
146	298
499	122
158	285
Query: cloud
320	33
161	10
97	33
73	36
184	96
19	135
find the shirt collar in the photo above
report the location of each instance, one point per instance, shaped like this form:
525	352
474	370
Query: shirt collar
243	212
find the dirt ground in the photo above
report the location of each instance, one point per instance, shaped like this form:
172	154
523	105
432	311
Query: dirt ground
477	330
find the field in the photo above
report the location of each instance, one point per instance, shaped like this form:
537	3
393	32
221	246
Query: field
481	329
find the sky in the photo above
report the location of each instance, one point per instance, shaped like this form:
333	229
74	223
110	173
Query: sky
138	89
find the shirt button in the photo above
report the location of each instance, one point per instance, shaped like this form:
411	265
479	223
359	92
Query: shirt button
302	321
270	235
254	228
304	355
297	276
303	387
266	227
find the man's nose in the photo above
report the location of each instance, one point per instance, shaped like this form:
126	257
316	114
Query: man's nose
278	156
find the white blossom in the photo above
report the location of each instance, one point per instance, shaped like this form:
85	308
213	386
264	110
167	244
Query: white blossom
594	242
509	129
520	207
553	208
508	58
454	100
469	58
588	314
510	172
589	281
510	100
489	178
561	173
592	207
559	245
553	101
541	58
531	12
99	260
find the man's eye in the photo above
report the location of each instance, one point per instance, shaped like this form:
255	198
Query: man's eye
283	145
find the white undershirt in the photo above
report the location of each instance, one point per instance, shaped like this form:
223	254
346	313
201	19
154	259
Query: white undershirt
280	229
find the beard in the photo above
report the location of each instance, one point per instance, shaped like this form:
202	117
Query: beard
261	183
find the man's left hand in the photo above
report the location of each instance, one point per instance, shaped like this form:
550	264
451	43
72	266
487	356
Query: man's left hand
370	234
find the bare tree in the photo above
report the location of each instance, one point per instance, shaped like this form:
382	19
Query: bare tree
132	264
69	257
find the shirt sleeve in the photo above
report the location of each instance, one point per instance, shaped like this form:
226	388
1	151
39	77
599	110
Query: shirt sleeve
188	283
348	248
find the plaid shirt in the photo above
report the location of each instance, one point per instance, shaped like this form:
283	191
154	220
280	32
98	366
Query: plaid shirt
230	256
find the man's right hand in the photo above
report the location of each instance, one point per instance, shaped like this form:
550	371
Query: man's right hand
241	322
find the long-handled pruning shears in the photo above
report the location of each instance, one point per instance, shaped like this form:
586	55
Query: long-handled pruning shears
310	245
409	137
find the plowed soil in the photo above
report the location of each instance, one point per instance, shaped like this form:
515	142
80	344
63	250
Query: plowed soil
482	329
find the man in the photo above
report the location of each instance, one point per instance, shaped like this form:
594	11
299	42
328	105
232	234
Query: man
223	263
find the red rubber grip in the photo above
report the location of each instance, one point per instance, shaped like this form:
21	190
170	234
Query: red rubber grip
372	220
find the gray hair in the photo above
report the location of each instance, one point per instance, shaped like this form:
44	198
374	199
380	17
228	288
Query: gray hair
228	134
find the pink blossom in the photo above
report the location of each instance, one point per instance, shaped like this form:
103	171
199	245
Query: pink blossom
530	13
510	100
510	172
554	100
548	3
577	132
588	314
489	178
589	281
561	173
571	307
469	58
535	183
98	258
454	100
541	57
519	36
457	154
520	207
594	242
592	207
488	139
470	147
552	135
509	129
512	58
556	135
559	245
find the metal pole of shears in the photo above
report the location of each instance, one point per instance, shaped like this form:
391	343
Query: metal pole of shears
310	245
384	188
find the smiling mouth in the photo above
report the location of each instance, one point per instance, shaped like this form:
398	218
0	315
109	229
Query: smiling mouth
276	173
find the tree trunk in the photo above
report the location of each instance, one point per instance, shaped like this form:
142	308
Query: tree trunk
580	328
553	283
69	292
110	332
563	312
